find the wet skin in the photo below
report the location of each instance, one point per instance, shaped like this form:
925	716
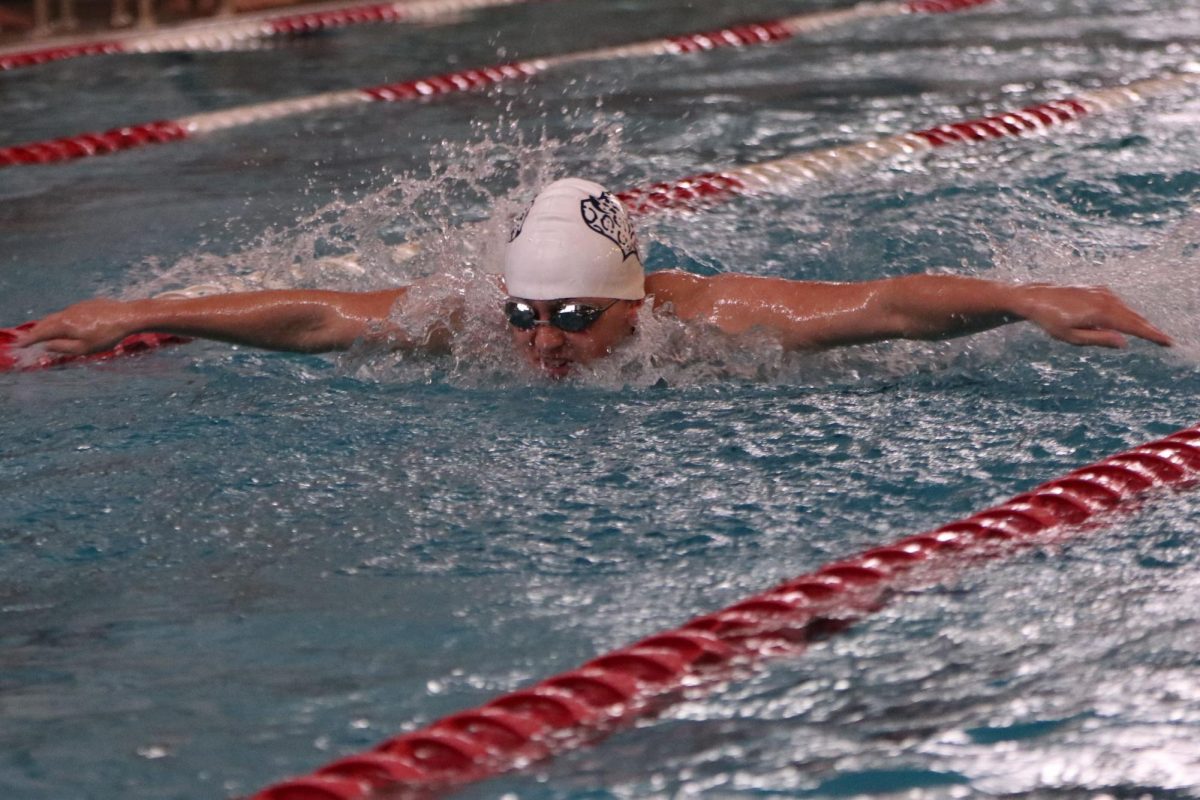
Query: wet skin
555	352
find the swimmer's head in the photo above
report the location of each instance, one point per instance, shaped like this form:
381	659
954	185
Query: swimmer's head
573	275
575	240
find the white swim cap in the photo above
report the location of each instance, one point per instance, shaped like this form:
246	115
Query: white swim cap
574	240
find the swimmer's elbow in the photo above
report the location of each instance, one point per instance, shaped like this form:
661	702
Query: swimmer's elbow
880	311
303	328
349	319
332	333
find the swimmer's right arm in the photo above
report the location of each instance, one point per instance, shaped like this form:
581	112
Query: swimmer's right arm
295	320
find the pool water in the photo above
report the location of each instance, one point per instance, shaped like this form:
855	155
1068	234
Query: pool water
220	566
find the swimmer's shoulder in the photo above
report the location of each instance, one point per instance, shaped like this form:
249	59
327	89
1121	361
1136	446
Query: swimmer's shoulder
684	292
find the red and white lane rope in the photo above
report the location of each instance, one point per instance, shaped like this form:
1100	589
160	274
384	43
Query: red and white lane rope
779	175
569	709
786	173
92	144
226	34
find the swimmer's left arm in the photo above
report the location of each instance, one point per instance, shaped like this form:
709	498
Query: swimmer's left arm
810	315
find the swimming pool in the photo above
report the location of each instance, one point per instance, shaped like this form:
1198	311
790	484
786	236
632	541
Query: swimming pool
221	567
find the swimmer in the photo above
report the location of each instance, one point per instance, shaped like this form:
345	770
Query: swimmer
575	285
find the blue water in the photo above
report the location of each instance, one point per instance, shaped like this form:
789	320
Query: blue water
220	567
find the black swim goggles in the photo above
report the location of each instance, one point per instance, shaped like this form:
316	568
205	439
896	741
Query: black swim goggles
569	316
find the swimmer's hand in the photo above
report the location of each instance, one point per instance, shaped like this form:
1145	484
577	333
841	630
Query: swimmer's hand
92	326
1085	316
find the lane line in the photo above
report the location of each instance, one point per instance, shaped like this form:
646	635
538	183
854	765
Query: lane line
163	131
226	34
573	708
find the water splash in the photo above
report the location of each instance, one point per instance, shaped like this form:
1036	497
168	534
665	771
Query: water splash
449	219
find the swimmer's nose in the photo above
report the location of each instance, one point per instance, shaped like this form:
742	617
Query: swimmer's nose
548	337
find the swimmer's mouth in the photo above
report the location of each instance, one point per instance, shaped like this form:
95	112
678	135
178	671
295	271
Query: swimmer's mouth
555	367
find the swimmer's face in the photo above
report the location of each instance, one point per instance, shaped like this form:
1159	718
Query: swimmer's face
554	351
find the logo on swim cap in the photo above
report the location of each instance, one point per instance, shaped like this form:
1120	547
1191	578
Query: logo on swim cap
574	240
603	215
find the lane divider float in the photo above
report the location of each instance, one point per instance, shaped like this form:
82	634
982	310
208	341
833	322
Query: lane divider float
162	131
568	710
784	174
779	175
226	34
